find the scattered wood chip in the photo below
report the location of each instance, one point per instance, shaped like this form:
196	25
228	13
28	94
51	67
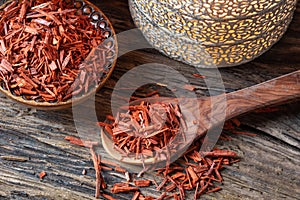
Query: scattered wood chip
79	142
142	183
189	87
42	175
236	122
199	76
123	188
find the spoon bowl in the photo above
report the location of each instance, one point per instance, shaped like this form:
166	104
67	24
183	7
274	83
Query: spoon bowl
214	111
189	128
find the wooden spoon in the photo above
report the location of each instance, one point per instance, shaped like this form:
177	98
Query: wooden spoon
272	92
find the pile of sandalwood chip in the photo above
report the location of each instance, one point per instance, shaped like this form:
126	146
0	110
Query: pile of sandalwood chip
191	175
146	130
43	44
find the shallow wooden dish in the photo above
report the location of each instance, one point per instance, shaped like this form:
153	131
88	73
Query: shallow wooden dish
91	10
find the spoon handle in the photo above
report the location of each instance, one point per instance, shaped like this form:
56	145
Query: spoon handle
272	92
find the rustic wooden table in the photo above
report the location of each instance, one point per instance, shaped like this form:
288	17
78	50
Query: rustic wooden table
269	167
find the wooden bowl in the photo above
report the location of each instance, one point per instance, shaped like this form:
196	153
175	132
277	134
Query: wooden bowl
205	35
110	47
199	55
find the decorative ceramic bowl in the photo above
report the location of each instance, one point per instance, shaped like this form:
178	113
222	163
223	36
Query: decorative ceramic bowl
216	9
219	29
109	49
231	32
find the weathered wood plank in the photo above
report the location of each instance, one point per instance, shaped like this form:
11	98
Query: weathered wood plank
283	124
63	162
270	163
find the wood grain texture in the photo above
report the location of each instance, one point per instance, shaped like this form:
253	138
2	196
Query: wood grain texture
275	91
270	163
